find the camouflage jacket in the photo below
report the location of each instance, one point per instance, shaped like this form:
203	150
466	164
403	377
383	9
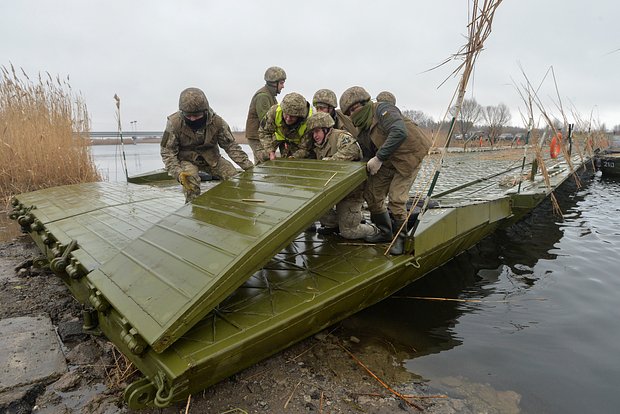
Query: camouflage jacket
262	100
296	146
202	147
338	145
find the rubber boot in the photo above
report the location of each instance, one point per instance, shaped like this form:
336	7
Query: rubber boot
326	231
398	247
384	224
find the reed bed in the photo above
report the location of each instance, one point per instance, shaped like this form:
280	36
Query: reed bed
44	140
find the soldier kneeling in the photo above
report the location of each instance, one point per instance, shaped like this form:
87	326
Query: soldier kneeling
336	144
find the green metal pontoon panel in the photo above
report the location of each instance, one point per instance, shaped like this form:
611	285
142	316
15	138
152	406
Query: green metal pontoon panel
150	177
534	192
311	284
442	226
101	217
171	276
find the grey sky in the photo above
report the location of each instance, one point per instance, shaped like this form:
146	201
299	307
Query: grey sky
148	51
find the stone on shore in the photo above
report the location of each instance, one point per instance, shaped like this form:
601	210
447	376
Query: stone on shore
30	355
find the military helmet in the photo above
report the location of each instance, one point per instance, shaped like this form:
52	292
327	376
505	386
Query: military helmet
294	104
193	100
352	96
320	120
275	74
325	97
386	96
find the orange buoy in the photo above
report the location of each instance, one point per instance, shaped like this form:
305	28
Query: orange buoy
555	147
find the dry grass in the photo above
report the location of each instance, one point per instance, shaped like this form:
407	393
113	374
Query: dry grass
121	372
38	147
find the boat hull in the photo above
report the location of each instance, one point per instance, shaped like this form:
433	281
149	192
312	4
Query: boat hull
609	164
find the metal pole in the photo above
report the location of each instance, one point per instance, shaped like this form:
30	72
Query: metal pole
570	139
120	133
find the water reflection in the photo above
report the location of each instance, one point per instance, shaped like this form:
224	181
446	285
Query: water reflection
538	308
140	158
425	326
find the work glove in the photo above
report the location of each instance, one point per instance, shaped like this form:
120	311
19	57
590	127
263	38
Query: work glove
373	165
184	180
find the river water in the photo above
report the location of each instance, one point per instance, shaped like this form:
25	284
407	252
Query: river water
538	314
140	158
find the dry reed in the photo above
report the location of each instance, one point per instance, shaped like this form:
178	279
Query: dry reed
44	138
380	381
121	371
479	27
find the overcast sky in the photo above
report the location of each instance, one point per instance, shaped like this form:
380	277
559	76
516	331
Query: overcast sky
147	51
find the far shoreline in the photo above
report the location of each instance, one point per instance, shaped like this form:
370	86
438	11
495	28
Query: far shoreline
239	137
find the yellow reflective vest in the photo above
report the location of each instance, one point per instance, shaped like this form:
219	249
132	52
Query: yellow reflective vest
300	130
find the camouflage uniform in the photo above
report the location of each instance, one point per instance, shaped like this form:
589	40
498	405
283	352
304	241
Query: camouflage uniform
394	147
328	98
291	140
401	145
341	146
338	145
184	150
263	99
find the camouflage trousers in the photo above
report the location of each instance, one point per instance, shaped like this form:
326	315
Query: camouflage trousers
260	155
348	216
223	169
392	184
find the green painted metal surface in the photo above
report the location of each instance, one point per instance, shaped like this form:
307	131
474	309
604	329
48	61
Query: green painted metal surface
139	249
313	283
174	273
101	217
441	227
150	177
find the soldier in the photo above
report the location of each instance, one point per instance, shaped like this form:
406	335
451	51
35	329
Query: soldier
335	144
263	99
325	100
394	147
192	142
386	96
284	128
